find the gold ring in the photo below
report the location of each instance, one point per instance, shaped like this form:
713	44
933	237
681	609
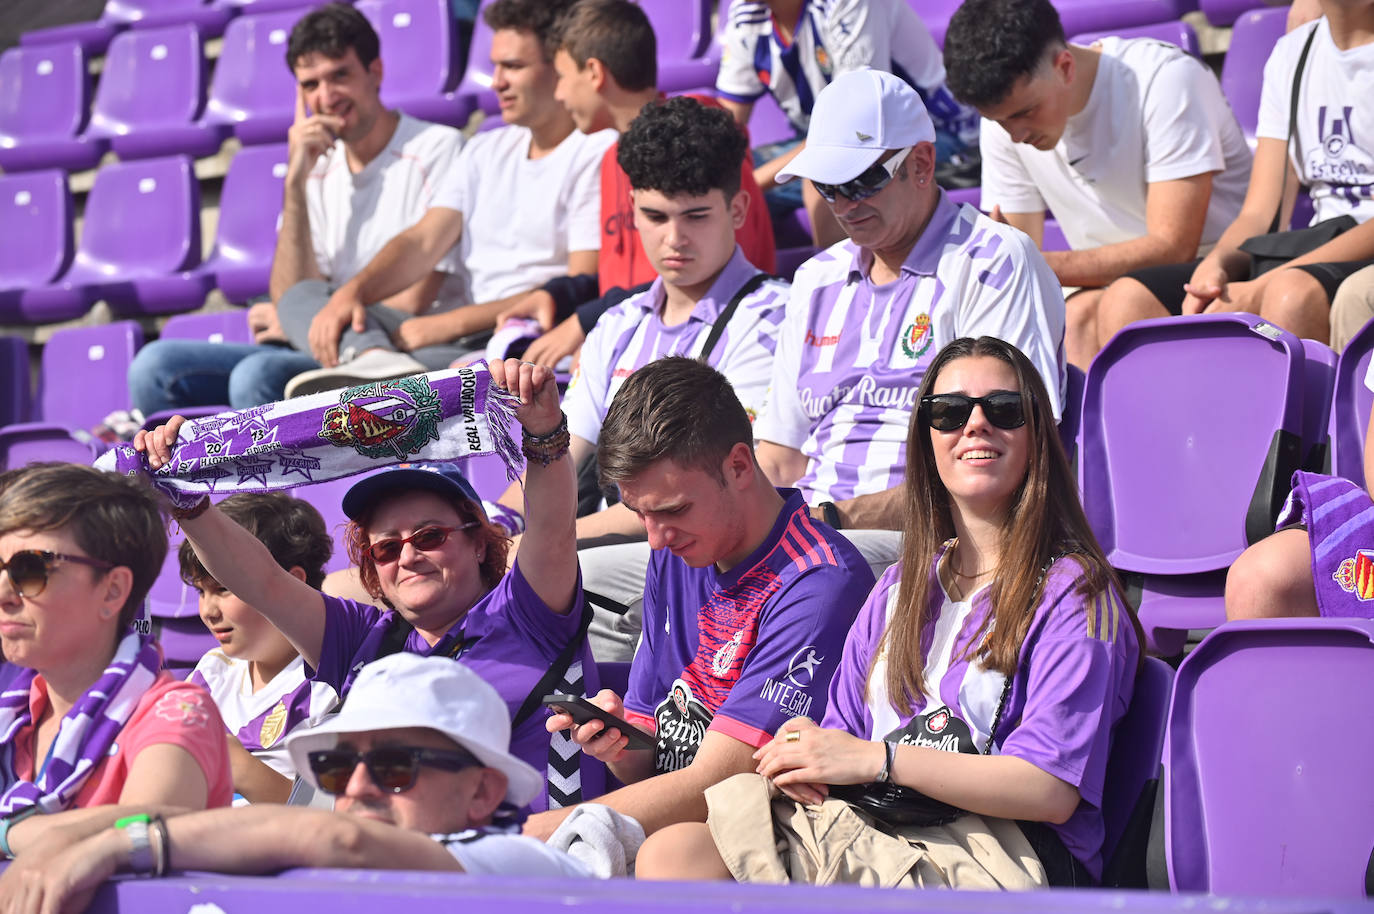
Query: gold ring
793	736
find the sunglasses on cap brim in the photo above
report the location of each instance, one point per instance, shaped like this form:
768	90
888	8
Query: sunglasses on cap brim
874	179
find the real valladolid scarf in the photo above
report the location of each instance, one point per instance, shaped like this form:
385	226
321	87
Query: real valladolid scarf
444	415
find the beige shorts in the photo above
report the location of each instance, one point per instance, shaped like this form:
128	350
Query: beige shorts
763	836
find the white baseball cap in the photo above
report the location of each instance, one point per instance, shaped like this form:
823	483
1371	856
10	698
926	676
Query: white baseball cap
406	690
857	118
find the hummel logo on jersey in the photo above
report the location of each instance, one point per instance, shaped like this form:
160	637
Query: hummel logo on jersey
863	137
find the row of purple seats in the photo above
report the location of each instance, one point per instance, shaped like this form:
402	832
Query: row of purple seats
140	246
208	16
1077	16
1350	407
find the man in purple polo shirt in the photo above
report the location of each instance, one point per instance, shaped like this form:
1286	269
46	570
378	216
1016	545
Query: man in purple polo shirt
747	600
867	315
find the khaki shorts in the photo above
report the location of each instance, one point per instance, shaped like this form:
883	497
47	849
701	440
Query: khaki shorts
834	844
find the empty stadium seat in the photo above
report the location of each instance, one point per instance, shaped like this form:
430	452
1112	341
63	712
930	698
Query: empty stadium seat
423	61
268	6
240	262
1350	406
210	326
476	82
1252	39
687	58
93	35
253	91
151	92
1176	32
1192	428
82	380
1071	418
1266	769
208	18
1077	16
1133	777
35	235
15	396
139	245
1222	13
327	498
45	92
767	123
1319	383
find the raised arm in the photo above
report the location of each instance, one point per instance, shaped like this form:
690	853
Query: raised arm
241	563
308	139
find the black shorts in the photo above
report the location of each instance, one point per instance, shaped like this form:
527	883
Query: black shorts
1166	282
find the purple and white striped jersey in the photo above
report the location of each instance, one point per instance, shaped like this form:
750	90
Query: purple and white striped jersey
261	720
632	334
851	354
1073	682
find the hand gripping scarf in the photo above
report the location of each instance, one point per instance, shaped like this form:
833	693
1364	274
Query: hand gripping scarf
444	415
85	735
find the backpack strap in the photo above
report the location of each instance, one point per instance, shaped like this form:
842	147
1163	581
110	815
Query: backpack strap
718	326
1292	123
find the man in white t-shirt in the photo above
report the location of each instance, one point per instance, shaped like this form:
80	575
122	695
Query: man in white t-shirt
521	206
356	174
1131	143
867	315
418	759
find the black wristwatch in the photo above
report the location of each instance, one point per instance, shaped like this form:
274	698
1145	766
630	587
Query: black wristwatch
885	773
830	514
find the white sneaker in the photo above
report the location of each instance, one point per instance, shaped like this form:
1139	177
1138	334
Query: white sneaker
373	365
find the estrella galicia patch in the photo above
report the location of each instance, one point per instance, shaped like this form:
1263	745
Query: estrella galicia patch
938	729
681	723
385	419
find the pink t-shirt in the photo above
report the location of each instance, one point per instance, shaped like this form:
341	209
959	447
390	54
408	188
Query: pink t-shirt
171	711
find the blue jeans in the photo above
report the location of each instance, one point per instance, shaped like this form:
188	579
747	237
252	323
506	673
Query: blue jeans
176	374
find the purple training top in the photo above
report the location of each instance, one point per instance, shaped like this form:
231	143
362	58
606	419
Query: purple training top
745	651
1073	682
510	637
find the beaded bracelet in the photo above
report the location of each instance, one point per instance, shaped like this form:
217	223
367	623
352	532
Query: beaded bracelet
548	447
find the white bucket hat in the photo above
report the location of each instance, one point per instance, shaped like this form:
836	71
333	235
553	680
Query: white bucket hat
857	118
405	690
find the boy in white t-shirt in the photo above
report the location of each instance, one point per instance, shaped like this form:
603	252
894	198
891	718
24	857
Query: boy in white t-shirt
520	206
255	676
1130	143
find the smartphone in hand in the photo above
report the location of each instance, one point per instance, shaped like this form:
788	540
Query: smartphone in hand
581	710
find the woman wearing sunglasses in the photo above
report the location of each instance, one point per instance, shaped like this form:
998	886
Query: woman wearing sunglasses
984	674
435	564
90	718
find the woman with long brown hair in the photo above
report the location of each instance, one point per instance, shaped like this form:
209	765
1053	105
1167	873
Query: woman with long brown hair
984	674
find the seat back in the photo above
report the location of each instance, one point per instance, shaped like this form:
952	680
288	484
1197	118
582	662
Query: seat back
85	373
44	92
1252	38
420	42
210	327
1176	32
682	28
1350	406
327	498
477	69
132	11
250	206
767	123
152	78
1221	13
15	395
1071	416
142	218
252	88
1191	430
35	228
1266	766
1319	382
1133	775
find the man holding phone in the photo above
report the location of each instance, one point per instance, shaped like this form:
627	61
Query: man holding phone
747	599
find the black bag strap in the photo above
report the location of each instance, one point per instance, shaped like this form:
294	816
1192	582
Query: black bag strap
555	673
1292	124
718	327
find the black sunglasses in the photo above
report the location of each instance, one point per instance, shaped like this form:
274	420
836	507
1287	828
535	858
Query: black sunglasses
947	412
875	178
392	768
29	568
426	539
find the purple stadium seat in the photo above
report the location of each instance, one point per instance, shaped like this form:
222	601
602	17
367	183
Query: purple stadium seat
1257	797
788	259
1072	418
83	379
1319	383
252	90
1167	402
208	18
138	248
487	475
327	498
270	6
1079	16
476	82
1052	239
1225	12
961	195
686	55
15	396
1350	406
1252	39
44	94
1175	32
420	47
1133	777
767	123
170	597
35	235
151	92
249	207
212	327
935	14
93	35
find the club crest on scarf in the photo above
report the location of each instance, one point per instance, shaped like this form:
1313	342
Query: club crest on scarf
384	419
1356	575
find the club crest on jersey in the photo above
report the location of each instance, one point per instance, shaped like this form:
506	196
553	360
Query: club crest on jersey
272	726
917	336
823	60
725	656
385	419
1356	575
